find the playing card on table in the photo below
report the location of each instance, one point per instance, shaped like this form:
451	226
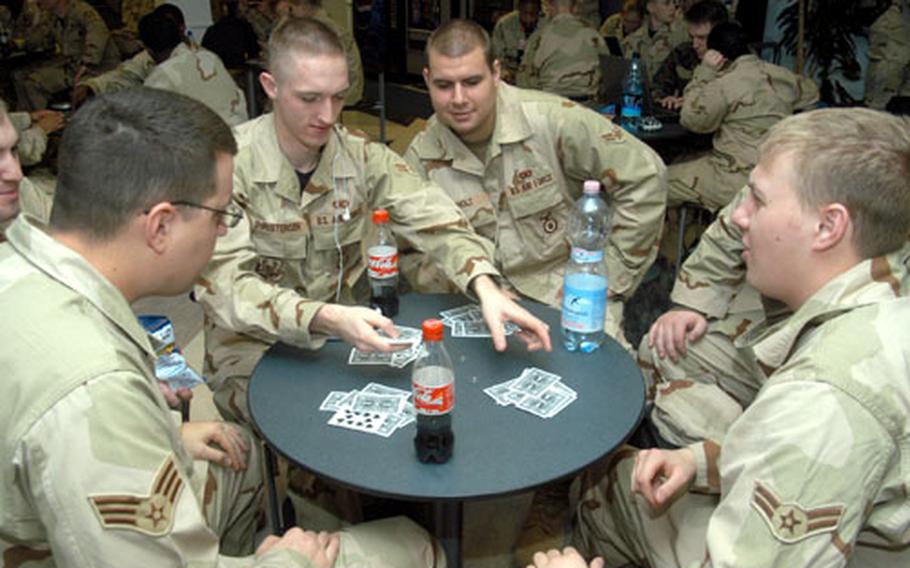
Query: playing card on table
470	329
358	357
336	400
536	391
376	388
377	403
534	380
370	422
460	312
400	359
549	402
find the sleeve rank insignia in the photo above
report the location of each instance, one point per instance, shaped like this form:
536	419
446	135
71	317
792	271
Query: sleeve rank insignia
791	522
151	514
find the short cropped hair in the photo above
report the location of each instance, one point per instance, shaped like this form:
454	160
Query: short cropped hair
173	13
707	12
458	37
729	38
854	156
124	152
159	33
304	36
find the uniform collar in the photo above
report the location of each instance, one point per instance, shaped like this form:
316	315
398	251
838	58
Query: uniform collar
73	271
871	281
272	166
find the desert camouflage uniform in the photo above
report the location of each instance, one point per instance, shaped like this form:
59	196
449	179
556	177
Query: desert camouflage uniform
889	56
813	473
563	58
612	27
541	151
352	54
276	269
119	484
739	103
509	42
127	37
35	200
262	25
35	26
82	38
675	72
199	74
653	47
589	12
130	73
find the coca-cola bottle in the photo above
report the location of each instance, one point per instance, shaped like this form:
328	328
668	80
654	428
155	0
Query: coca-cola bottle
433	382
383	267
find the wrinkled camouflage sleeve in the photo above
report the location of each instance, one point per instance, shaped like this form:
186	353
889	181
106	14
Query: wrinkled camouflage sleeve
528	77
715	271
96	38
794	493
112	489
130	73
498	41
239	299
666	81
704	105
426	217
633	176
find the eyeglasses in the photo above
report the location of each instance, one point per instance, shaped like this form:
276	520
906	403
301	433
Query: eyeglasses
229	217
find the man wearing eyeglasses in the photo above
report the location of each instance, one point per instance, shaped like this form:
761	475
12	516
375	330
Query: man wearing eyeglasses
94	470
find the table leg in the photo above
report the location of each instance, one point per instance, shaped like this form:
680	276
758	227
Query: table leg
271	473
447	518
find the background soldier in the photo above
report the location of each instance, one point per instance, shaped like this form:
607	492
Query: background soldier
793	487
653	42
85	48
563	55
889	56
624	22
737	96
510	36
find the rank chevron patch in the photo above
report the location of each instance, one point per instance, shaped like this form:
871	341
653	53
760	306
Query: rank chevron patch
151	514
791	522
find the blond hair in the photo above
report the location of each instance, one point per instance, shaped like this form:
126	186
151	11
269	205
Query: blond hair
857	157
301	36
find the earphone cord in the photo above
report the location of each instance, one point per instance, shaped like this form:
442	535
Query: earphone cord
335	232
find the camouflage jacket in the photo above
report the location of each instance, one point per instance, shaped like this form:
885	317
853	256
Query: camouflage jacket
740	102
509	42
35	201
35	26
272	273
94	471
563	57
130	73
199	74
131	11
612	27
589	12
83	38
675	72
32	140
653	47
814	471
542	149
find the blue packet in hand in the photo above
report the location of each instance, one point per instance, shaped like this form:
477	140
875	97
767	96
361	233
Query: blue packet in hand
170	366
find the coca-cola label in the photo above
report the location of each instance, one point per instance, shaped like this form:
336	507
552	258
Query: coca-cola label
383	263
434	400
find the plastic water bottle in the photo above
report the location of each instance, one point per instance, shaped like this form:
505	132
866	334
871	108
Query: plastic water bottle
383	267
632	94
433	383
584	299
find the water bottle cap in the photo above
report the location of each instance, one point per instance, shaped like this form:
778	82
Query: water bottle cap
432	330
380	216
592	187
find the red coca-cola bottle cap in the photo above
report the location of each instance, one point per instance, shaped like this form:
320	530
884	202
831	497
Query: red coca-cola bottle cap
432	330
380	216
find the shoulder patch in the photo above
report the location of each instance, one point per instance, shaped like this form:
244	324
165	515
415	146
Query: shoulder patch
791	522
151	514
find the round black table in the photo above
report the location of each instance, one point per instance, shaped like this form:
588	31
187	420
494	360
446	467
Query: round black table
498	450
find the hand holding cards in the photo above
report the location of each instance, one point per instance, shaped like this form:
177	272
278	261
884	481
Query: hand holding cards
535	391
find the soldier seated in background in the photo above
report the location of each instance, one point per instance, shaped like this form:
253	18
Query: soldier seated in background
511	34
811	472
738	97
663	30
625	22
888	74
563	55
95	469
85	48
676	71
16	193
169	62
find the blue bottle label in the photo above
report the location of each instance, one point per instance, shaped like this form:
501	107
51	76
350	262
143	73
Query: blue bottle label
584	302
631	105
583	256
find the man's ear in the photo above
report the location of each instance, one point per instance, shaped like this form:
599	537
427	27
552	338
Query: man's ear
159	226
497	70
426	76
269	84
833	226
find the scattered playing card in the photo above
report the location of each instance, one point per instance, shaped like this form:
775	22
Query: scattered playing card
336	400
370	422
358	357
375	409
536	391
